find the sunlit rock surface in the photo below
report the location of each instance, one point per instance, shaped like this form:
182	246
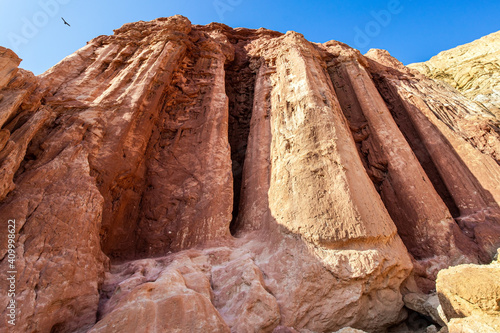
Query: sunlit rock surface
210	179
473	69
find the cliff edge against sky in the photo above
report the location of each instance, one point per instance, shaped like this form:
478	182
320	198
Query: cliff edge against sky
473	69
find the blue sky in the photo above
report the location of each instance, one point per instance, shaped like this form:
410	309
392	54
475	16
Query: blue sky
410	30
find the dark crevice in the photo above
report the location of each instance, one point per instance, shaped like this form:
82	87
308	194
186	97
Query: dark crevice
34	149
375	165
374	159
414	322
240	84
402	119
17	121
59	327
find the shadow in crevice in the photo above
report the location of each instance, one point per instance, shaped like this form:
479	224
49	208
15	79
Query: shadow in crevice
402	119
376	161
414	322
375	165
240	85
477	213
459	189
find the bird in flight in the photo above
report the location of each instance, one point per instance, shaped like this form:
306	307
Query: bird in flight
65	22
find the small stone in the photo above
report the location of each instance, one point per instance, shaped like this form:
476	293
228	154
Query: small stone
431	329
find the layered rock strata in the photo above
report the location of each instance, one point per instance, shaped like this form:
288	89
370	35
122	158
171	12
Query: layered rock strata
204	178
472	68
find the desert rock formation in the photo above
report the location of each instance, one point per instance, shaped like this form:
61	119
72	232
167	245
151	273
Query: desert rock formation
210	179
473	69
470	297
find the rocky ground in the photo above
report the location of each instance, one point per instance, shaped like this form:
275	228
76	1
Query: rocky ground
182	178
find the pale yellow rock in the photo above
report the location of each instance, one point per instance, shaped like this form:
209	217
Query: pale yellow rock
349	330
469	289
475	324
470	297
473	69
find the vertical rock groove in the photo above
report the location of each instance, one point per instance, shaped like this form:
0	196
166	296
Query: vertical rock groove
240	85
304	179
408	195
189	159
444	132
403	120
254	204
374	163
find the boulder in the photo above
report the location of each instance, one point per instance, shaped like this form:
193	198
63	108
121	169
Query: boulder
427	305
470	297
469	289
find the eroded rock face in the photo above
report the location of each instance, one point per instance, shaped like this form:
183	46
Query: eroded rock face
473	69
210	179
470	297
147	296
444	130
468	289
151	95
9	62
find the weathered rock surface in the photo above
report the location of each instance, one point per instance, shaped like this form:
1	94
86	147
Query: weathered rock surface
8	66
474	324
444	130
150	298
295	163
151	95
470	297
473	69
467	289
427	305
350	330
210	179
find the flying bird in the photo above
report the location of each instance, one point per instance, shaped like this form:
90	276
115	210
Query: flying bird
65	22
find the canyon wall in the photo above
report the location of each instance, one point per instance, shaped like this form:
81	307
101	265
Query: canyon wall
472	68
210	179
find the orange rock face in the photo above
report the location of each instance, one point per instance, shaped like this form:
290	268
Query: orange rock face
210	179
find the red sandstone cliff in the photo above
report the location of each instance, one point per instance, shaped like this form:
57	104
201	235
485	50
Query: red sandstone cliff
210	179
